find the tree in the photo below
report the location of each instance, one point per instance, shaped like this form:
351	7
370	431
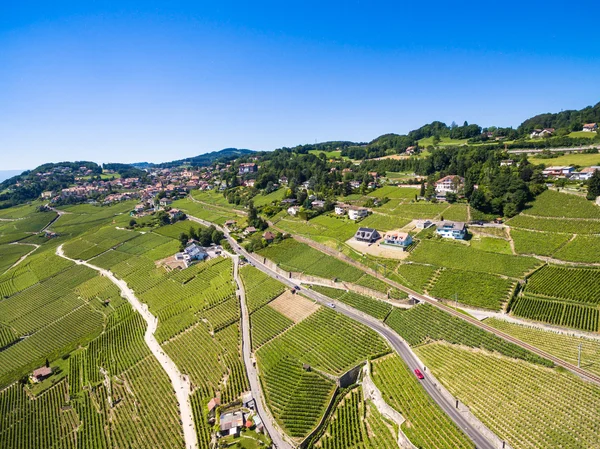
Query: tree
510	210
193	234
422	191
478	200
132	223
594	186
47	363
451	197
183	238
216	236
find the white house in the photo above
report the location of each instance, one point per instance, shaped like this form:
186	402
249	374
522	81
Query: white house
397	238
356	213
452	230
449	184
590	127
318	204
341	209
293	210
506	163
541	133
558	171
585	173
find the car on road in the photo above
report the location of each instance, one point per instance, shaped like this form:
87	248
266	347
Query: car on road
419	374
297	287
332	305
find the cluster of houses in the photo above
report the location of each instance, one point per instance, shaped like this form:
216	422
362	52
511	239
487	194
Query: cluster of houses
547	132
402	240
570	173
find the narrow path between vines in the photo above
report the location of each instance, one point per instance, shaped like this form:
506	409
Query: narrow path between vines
180	382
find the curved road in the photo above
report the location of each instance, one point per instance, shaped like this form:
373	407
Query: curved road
586	375
401	347
181	383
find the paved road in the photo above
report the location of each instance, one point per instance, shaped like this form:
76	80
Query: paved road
277	436
181	383
586	375
395	341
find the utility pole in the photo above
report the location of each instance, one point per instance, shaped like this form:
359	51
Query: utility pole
579	357
456	300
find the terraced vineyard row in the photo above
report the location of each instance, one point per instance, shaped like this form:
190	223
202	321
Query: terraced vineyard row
96	242
374	307
321	340
266	323
574	284
426	424
537	400
357	424
560	345
295	393
559	313
481	290
297	397
260	288
453	255
425	322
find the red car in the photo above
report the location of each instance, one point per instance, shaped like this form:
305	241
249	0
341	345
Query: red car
419	374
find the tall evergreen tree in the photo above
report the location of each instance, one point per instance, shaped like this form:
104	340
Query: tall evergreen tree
594	186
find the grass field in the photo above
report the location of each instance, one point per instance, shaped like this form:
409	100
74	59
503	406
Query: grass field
563	205
506	394
262	200
491	244
583	160
291	255
444	141
328	154
540	243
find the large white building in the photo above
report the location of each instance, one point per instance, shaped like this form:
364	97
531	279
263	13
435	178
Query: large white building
449	184
356	213
452	230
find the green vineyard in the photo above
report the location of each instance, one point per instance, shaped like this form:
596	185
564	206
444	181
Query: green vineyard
357	423
374	307
519	401
424	323
426	424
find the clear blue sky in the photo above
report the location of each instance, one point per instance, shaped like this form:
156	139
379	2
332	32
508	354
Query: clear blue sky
154	81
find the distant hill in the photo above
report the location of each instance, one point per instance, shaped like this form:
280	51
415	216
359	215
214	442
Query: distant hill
201	160
570	120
